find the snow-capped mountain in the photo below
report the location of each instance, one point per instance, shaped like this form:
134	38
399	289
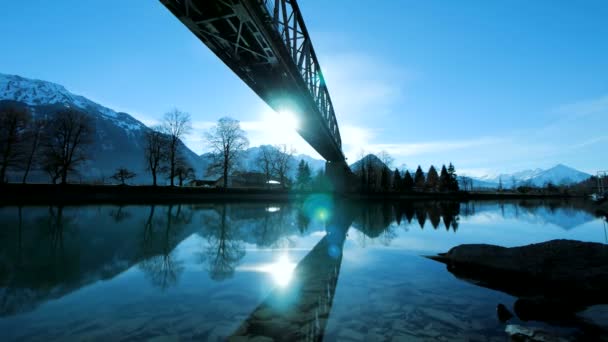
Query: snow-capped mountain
559	175
118	137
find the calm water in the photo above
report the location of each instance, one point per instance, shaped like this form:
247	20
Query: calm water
311	270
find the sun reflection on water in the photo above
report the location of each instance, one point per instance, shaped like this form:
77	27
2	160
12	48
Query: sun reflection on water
281	270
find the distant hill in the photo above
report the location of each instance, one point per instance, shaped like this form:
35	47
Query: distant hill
370	159
118	138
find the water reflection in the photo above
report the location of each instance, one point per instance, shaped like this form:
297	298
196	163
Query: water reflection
224	250
301	310
48	253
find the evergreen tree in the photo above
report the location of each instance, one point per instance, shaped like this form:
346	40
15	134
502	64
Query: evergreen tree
453	178
363	178
407	182
303	176
444	179
397	181
419	178
432	179
385	179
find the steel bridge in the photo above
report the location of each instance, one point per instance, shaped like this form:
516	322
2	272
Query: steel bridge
266	43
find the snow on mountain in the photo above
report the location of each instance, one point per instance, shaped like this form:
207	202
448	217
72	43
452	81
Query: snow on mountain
559	175
119	139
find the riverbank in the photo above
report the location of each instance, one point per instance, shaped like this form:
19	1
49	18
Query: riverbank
81	193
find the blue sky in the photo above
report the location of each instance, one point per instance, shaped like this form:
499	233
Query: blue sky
491	86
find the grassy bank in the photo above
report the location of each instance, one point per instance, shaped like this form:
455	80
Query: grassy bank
77	194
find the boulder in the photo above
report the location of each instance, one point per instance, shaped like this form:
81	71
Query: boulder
565	271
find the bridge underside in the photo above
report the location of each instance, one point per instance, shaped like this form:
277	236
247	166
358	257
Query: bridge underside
265	42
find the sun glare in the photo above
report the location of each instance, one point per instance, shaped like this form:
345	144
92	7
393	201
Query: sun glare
288	119
282	270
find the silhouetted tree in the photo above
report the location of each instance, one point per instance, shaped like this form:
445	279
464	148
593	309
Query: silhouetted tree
156	144
303	176
65	143
122	175
397	181
408	181
176	124
184	171
281	160
385	182
227	140
13	122
264	162
444	179
432	179
419	179
32	136
453	177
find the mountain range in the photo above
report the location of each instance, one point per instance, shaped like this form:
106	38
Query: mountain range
119	141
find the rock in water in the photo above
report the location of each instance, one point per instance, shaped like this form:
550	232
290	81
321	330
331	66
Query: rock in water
565	270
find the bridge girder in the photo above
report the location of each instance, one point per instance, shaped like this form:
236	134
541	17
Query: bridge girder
266	43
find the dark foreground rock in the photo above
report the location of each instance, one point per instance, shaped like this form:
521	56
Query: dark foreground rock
553	280
557	269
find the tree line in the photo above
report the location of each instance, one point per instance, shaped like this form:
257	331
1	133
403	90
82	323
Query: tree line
374	178
56	146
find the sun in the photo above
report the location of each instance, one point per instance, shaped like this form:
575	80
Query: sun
288	119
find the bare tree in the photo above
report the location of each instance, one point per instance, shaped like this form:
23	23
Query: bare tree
155	145
227	140
184	171
33	135
281	162
13	121
386	158
264	162
122	175
176	125
65	143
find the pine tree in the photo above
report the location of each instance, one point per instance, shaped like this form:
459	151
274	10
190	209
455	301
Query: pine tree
453	178
397	181
303	175
419	179
444	179
408	182
432	179
363	178
385	181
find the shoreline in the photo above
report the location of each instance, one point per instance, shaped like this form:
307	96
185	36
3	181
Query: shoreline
19	194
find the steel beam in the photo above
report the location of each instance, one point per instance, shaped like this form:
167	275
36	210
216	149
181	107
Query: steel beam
266	43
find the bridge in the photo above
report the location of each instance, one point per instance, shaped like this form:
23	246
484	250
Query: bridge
266	43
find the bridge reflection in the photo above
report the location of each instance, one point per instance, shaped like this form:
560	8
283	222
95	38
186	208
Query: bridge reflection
301	310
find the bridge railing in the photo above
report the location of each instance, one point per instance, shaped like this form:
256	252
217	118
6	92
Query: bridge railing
288	22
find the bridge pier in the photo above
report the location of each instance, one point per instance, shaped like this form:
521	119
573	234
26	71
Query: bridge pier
340	176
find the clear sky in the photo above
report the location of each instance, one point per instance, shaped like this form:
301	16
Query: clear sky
493	86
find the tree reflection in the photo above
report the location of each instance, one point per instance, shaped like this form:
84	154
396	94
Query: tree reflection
224	250
163	269
119	214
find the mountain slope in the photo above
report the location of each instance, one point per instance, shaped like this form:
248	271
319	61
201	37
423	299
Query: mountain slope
118	137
